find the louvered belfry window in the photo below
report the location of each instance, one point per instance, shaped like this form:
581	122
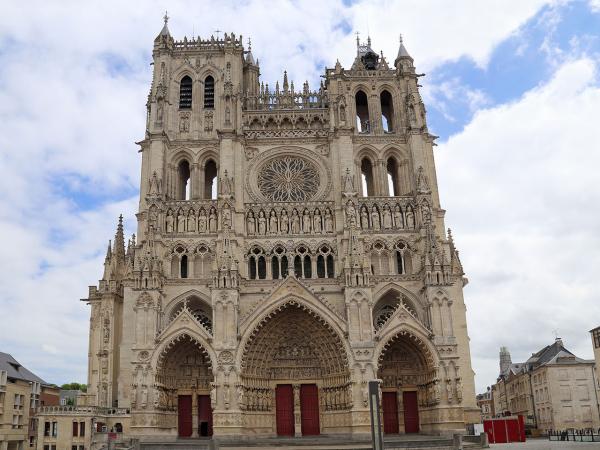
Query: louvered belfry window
185	93
209	92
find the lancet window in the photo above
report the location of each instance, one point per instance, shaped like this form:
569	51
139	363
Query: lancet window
257	264
210	180
185	93
392	177
387	112
184	185
179	262
202	262
279	263
325	263
368	181
363	124
209	92
302	263
403	262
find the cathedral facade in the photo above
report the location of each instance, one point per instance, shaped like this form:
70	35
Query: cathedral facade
290	247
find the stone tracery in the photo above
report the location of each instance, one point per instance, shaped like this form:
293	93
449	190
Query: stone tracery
288	179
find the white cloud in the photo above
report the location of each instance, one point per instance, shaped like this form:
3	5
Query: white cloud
520	184
73	84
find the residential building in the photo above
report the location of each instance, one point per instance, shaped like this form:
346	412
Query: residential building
485	402
553	390
21	393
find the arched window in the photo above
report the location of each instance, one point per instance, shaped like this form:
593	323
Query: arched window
209	92
279	263
183	271
184	187
392	177
380	259
185	93
257	265
302	263
387	111
368	183
325	264
363	124
210	180
202	262
403	261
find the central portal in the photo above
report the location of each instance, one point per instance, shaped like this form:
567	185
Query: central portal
299	361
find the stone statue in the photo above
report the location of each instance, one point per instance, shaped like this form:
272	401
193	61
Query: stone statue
226	396
364	218
240	397
202	221
459	390
213	395
251	223
273	223
365	396
169	222
262	223
398	219
160	110
375	220
328	221
226	184
306	222
317	223
426	212
284	222
295	222
387	218
410	218
350	214
449	390
180	222
226	218
227	116
212	221
348	181
144	397
191	220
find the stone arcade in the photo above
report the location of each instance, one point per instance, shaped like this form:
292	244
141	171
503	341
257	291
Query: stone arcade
290	248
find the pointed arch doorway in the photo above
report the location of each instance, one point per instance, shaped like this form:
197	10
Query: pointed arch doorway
409	384
183	381
295	373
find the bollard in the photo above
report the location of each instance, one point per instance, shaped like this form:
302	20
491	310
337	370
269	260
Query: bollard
484	440
457	442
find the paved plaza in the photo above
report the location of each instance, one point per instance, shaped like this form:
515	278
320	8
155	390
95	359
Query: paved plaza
544	444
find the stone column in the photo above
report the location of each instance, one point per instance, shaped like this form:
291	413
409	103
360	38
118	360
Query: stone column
195	180
194	414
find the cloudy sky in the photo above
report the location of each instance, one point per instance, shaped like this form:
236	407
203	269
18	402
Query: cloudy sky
512	90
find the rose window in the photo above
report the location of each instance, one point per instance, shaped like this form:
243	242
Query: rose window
288	179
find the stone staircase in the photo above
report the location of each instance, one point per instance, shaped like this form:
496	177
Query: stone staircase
311	443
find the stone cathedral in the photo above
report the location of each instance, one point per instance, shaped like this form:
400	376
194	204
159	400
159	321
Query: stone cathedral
290	247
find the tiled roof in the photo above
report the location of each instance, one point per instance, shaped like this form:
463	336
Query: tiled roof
16	370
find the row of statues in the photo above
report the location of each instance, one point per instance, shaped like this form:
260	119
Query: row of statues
203	222
303	222
374	218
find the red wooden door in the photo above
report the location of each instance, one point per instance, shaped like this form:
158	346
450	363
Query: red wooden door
284	409
411	412
390	413
205	416
309	409
184	407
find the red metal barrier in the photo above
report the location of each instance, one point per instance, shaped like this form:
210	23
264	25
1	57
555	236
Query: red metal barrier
505	429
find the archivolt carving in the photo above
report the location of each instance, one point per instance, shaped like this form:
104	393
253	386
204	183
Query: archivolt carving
294	343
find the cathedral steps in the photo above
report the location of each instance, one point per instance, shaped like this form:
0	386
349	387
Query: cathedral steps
309	443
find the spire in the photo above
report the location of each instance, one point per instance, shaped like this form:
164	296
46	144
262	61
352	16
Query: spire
249	56
285	81
119	248
108	252
165	28
402	52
